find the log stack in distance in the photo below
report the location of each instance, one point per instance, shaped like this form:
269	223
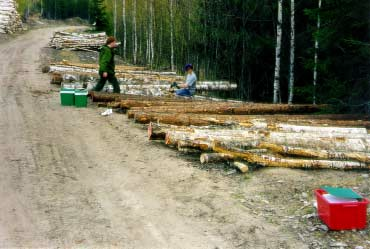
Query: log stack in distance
10	20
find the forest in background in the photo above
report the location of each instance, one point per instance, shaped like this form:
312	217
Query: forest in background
238	40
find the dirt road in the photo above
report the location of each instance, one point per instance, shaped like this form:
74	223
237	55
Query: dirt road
71	178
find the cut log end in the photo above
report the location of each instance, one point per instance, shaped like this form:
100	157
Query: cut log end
242	167
155	132
215	158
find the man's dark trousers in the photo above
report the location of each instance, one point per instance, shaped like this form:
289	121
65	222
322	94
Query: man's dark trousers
112	79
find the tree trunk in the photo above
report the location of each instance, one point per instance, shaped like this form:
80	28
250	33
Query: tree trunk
115	18
131	103
234	109
317	47
197	145
110	97
135	31
331	142
215	158
156	131
124	29
319	130
272	161
242	167
172	36
42	8
319	154
151	39
292	51
278	52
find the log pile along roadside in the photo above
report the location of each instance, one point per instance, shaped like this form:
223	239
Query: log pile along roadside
139	80
249	134
10	20
77	41
279	145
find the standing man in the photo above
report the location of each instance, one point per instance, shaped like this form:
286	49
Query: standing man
107	66
188	89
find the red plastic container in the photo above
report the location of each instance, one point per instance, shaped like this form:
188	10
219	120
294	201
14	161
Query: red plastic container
342	216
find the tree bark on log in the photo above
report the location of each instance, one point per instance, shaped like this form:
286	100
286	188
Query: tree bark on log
313	129
145	117
246	138
130	103
215	158
336	142
319	154
157	132
111	97
273	161
179	120
237	109
199	145
242	167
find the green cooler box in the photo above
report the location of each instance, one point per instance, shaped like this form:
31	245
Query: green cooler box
80	96
67	96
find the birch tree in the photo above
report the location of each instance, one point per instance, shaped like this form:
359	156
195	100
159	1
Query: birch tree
317	47
124	28
115	18
292	51
278	52
172	36
134	2
151	24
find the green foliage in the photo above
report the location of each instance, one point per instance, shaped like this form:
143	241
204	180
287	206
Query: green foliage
235	40
99	15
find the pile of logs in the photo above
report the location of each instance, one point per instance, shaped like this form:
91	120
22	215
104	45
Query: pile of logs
10	20
78	41
272	144
139	80
244	136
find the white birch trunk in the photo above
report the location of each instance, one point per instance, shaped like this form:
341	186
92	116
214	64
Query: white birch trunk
278	52
135	31
172	37
189	29
292	51
42	8
28	9
148	45
124	28
115	18
151	32
317	46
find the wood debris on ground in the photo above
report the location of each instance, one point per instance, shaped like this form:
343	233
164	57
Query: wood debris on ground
10	20
250	134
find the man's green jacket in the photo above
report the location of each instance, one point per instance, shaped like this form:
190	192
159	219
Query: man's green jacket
106	60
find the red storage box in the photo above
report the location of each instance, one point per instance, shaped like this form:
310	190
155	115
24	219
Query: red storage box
342	216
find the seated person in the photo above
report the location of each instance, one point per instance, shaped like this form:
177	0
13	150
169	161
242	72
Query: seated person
188	88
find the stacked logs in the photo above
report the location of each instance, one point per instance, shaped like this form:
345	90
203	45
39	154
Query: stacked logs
138	80
77	41
272	145
10	20
244	136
